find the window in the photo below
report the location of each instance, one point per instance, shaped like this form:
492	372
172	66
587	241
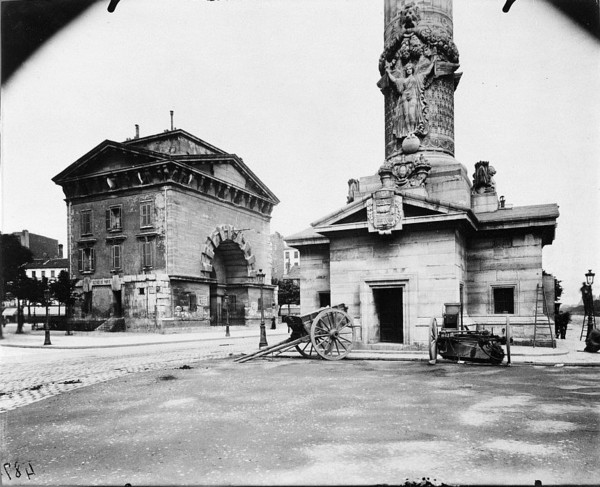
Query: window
87	259
296	254
43	274
147	255
116	255
113	219
504	300
33	274
85	222
52	274
145	214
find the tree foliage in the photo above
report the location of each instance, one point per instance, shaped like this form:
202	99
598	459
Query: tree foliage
63	289
13	256
289	291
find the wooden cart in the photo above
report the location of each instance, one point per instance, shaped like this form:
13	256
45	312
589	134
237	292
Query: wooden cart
327	333
468	346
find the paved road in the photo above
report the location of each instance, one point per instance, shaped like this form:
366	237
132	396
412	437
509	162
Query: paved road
29	375
289	421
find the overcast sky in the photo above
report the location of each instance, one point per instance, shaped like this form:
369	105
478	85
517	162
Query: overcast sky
290	86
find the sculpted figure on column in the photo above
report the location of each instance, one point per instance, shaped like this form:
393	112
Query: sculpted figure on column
418	50
410	108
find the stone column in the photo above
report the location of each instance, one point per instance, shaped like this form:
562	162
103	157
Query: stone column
418	79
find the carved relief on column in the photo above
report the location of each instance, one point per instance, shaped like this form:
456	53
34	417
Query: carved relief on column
417	68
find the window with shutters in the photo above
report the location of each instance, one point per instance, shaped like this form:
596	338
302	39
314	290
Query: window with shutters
117	256
85	222
87	260
147	260
146	211
114	221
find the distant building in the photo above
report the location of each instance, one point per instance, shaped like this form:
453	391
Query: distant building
49	268
163	228
291	258
41	247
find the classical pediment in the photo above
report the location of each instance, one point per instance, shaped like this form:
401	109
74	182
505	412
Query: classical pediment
175	143
114	166
387	211
106	158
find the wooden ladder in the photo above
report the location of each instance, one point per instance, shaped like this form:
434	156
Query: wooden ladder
584	327
540	299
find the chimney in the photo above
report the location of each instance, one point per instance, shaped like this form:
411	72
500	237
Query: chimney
60	251
137	131
171	119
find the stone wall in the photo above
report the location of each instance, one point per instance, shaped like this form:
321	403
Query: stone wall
131	229
427	264
503	260
314	276
193	218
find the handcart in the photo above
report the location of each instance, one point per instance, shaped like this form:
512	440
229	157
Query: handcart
468	346
327	333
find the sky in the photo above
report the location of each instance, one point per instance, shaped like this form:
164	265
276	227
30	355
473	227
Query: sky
290	86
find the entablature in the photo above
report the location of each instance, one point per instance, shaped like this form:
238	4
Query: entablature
165	173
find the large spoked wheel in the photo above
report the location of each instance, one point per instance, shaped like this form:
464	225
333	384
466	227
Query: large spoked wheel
332	334
433	342
307	350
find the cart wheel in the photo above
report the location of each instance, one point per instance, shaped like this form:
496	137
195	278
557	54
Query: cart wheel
307	350
332	334
433	342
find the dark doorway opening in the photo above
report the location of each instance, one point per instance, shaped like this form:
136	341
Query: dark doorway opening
388	305
117	304
324	299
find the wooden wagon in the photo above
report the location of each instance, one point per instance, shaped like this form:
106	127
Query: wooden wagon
327	333
468	346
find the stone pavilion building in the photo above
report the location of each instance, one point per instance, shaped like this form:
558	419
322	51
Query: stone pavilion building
161	229
421	236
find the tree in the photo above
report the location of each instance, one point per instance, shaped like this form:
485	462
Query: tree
63	290
27	290
289	292
13	256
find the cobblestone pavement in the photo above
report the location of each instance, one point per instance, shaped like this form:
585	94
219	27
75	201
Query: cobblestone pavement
32	375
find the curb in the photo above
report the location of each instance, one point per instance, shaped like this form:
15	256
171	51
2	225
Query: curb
118	345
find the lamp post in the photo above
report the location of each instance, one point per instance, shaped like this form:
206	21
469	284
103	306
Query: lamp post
47	324
226	299
589	306
263	333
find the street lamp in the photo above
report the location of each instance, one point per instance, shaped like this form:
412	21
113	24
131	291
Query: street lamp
589	277
47	324
588	302
263	333
226	299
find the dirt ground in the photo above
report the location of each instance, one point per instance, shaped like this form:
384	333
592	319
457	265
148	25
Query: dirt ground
292	421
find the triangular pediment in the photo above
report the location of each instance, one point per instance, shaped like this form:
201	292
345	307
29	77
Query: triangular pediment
414	210
124	164
105	158
175	143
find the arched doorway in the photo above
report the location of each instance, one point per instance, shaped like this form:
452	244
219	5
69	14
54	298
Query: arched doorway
228	263
230	275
